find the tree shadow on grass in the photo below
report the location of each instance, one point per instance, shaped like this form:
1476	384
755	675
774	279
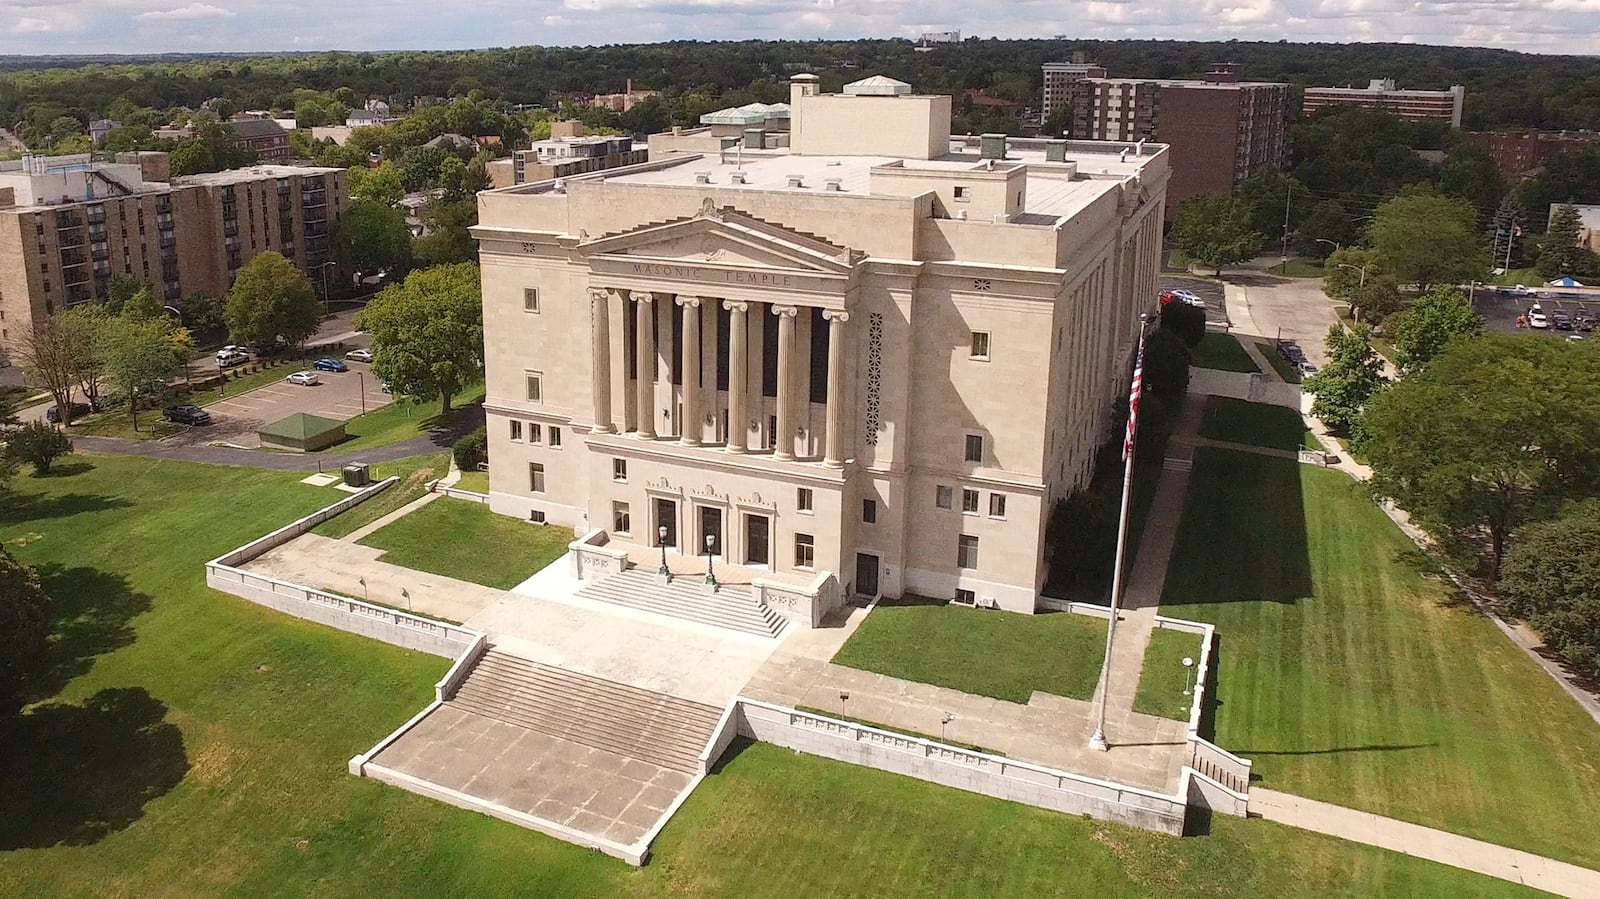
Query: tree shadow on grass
72	774
91	613
16	507
69	469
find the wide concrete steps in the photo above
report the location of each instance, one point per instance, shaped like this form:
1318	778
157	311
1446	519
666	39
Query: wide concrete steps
629	721
687	598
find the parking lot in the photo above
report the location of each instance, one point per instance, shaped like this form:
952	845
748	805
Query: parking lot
1500	310
1210	291
340	396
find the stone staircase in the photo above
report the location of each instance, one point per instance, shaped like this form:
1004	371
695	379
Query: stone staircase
686	597
629	721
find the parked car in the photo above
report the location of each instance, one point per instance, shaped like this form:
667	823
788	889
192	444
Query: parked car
229	350
1520	291
304	378
53	414
359	355
1574	338
229	360
1183	296
328	363
1537	318
384	386
1562	321
186	414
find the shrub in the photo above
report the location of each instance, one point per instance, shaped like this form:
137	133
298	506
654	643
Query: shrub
1166	366
472	450
1184	320
1551	579
38	444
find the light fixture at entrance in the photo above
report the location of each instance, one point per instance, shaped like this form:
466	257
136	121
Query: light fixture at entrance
661	535
711	576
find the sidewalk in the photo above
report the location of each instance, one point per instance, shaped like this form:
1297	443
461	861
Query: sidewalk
1535	871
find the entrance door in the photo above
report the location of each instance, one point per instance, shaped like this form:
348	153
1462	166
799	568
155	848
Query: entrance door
866	574
757	540
711	531
666	517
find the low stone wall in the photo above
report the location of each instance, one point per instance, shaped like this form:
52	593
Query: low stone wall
294	529
592	559
960	768
447	685
1221	779
805	604
721	737
470	496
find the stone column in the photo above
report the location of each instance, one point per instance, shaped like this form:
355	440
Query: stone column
783	443
690	431
737	364
645	359
600	304
833	453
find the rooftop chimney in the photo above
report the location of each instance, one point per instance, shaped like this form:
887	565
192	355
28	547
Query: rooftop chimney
832	184
755	138
992	146
1055	151
796	181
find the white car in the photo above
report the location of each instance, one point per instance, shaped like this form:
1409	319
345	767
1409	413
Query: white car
1537	318
359	355
229	360
303	378
230	350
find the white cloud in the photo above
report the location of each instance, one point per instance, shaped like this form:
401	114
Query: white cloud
191	13
32	25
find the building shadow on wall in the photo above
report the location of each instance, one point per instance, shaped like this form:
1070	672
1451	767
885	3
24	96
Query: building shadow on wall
72	774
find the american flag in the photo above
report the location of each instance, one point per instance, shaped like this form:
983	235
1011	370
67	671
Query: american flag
1133	399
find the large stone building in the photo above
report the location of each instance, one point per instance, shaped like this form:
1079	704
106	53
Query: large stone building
871	360
1221	130
68	224
1381	93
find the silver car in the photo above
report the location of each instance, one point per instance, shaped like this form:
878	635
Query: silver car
304	378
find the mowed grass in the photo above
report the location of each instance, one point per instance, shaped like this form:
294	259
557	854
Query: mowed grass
1282	366
1164	680
1222	351
402	420
1350	673
979	651
464	540
1258	424
192	744
414	474
475	481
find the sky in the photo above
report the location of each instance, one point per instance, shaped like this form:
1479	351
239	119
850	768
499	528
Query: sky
151	26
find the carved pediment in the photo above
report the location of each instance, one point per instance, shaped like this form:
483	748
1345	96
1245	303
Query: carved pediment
725	237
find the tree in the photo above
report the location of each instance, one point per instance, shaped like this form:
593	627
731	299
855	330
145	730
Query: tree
1270	194
1327	222
1215	231
142	305
38	444
138	357
85	323
1551	579
1426	239
373	237
24	628
1347	270
271	300
427	332
1560	253
379	185
1166	365
447	240
48	353
1184	320
202	312
1494	429
120	289
191	158
1354	373
1440	316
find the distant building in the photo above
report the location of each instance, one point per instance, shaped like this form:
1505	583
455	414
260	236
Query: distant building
932	39
570	153
452	142
622	102
360	118
1381	93
1518	154
266	137
982	100
1061	80
99	128
1221	130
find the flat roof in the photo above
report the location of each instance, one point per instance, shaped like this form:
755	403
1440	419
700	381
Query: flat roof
254	173
1187	82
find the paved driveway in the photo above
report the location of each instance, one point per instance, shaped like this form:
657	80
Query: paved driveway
236	419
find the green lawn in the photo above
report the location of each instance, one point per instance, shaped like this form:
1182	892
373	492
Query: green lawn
193	744
1528	277
476	481
1285	370
414	474
1222	351
963	649
1258	424
1349	673
402	420
464	540
1164	679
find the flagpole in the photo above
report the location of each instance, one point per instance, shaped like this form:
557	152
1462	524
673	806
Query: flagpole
1098	740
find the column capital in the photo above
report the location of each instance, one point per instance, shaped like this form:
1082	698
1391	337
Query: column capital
599	294
641	296
836	315
735	305
688	302
786	311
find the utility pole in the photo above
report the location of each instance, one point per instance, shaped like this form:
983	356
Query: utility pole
1288	194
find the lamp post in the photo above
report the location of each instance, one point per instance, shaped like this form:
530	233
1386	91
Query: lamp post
1332	243
943	720
363	382
406	594
661	540
1355	311
1188	672
711	576
844	697
363	581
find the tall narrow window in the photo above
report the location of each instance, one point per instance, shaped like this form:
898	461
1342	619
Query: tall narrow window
980	345
530	299
944	497
997	505
555	436
621	521
805	550
516	430
869	511
967	552
536	477
969	501
803	499
535	384
619	469
974	448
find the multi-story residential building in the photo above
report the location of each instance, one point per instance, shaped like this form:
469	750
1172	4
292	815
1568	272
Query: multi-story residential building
1220	130
622	102
870	360
567	152
1381	93
265	136
1061	85
69	224
1518	154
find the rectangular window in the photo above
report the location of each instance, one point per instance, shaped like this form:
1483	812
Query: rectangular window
962	192
535	383
966	598
535	432
536	477
997	505
530	299
944	497
555	436
869	511
980	344
805	551
967	552
621	521
969	501
974	448
619	469
803	499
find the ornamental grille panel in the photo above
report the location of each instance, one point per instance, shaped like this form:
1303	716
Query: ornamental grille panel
874	377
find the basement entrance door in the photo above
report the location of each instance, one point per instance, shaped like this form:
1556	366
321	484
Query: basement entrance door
866	574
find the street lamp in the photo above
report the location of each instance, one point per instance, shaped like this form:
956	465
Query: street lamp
711	577
945	719
843	698
363	582
406	594
363	382
1355	311
661	540
1188	672
1336	245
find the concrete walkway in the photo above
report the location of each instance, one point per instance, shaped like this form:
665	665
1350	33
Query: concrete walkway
245	458
1535	871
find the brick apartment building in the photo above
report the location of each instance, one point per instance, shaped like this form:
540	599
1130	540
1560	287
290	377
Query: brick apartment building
265	136
1518	154
1381	93
68	224
1221	130
1061	84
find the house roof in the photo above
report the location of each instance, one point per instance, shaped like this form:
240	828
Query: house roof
256	129
301	426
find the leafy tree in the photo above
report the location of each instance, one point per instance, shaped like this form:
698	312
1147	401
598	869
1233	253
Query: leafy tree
120	289
427	332
419	167
448	239
1494	429
191	158
471	450
38	444
1375	303
1184	320
1348	270
1551	579
1166	365
379	185
1327	221
202	311
25	629
1215	231
1440	316
142	305
1427	239
85	323
48	353
271	300
1353	375
373	237
1269	194
138	358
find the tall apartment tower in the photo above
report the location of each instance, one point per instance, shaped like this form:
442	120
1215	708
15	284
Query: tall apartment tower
869	361
1381	93
1221	130
1061	85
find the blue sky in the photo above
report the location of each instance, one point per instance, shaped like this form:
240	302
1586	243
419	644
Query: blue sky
143	26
